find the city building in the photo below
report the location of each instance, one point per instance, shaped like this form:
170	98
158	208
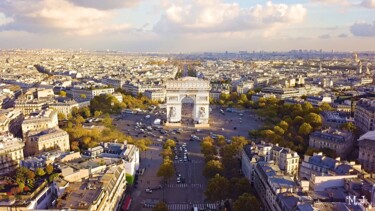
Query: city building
98	193
366	155
318	100
129	153
46	140
10	121
89	94
251	155
364	114
269	182
11	153
29	106
40	120
334	119
64	107
337	140
286	159
157	95
244	87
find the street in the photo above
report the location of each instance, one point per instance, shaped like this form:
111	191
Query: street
183	195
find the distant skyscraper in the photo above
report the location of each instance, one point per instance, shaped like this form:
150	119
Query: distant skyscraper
368	72
356	59
359	67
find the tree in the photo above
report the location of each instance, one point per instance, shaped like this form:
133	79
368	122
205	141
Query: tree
314	120
167	153
83	96
325	107
74	146
169	143
97	113
239	142
305	129
284	125
239	186
212	168
21	186
30	175
61	116
52	177
278	130
107	120
349	126
161	206
40	172
217	188
298	121
85	112
49	169
62	94
246	202
142	144
166	169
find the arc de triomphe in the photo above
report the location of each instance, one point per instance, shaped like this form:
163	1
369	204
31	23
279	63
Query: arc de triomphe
191	87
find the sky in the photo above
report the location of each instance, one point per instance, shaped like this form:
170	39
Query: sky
188	25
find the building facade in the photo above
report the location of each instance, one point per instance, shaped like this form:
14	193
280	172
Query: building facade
337	140
367	151
11	153
364	114
46	140
41	120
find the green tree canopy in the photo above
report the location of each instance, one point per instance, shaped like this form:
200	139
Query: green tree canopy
49	169
305	129
246	202
212	168
349	126
314	120
217	188
169	143
166	169
40	172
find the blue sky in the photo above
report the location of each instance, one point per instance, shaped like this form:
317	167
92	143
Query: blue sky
188	25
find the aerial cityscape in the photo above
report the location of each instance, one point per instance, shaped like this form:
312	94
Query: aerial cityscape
191	105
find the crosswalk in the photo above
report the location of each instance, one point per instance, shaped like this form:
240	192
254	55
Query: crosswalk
175	207
193	161
184	185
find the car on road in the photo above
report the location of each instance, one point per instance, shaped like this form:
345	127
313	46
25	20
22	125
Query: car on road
148	190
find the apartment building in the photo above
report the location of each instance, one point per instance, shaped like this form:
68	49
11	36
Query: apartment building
64	107
286	159
244	87
10	121
337	140
89	93
364	114
269	182
98	193
366	154
157	95
30	106
40	120
11	153
50	139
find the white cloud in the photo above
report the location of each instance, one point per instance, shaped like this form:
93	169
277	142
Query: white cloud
217	16
368	3
363	29
4	20
51	15
105	4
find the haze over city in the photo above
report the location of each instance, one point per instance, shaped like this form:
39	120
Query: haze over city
188	25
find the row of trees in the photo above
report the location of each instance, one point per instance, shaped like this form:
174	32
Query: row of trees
25	178
289	125
224	180
166	169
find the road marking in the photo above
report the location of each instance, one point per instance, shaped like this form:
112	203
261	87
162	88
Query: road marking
189	206
184	185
